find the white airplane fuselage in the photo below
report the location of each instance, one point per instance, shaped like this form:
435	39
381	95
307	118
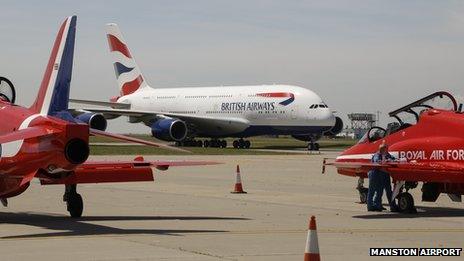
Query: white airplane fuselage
268	109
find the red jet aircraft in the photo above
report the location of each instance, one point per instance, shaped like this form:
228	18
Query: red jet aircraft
47	142
427	140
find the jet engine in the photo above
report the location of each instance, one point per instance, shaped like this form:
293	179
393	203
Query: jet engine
94	120
7	90
76	151
336	129
169	129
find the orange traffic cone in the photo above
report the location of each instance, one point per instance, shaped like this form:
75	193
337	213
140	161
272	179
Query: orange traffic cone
238	189
312	246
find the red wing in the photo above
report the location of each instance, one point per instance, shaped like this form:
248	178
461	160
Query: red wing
159	164
411	171
118	171
31	132
358	165
103	172
182	163
135	140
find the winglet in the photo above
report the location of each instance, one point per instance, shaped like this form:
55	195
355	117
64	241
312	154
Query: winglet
53	95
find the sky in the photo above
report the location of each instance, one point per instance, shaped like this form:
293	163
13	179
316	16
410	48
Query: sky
359	56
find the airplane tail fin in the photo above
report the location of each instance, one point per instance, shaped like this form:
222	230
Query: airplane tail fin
128	74
53	94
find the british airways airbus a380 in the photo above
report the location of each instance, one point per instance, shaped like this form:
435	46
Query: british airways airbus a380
182	114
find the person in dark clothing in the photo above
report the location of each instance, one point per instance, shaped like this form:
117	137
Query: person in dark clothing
379	181
375	178
386	185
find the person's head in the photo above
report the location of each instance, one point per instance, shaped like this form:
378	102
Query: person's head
383	148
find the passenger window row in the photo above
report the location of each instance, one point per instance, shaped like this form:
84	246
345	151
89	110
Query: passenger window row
196	96
210	96
220	96
183	112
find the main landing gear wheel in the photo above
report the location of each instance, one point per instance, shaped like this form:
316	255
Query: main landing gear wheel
406	203
190	143
241	144
363	195
214	143
74	202
75	205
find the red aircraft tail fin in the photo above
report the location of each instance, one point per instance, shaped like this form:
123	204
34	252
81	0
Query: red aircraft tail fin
53	94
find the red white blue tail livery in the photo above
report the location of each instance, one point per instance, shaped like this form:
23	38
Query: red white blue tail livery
128	74
53	95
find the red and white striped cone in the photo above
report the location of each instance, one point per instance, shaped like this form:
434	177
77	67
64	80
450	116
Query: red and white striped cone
312	245
238	189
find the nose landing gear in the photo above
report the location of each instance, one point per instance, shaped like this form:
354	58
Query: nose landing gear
313	146
362	191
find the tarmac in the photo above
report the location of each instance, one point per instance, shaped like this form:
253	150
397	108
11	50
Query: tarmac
189	214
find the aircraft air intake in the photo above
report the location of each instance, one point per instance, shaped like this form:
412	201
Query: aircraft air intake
169	129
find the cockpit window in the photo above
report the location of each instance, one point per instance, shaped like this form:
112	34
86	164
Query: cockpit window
393	127
375	133
409	115
315	106
363	138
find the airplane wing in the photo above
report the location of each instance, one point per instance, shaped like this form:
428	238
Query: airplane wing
117	171
358	166
96	132
27	133
410	171
211	124
116	105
